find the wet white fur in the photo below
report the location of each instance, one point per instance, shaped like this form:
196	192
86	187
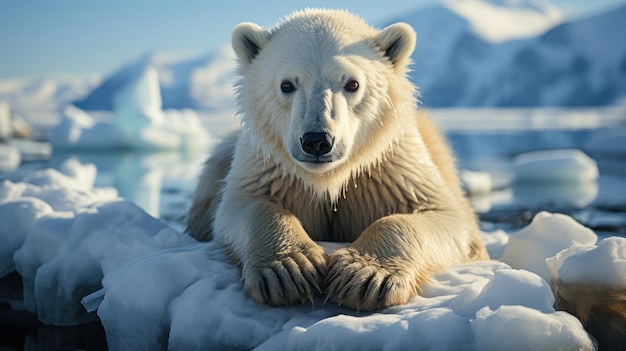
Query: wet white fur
391	188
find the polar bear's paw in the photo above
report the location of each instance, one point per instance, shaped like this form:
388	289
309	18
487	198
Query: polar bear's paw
360	281
292	277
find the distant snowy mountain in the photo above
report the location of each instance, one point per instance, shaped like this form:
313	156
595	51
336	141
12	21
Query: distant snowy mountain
201	83
502	20
469	53
516	53
581	63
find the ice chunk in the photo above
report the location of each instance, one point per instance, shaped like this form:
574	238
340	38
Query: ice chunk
65	256
544	237
32	149
588	278
71	175
581	263
79	130
556	166
10	158
92	301
20	128
476	182
84	174
61	192
65	190
43	193
17	218
139	103
5	121
137	122
63	235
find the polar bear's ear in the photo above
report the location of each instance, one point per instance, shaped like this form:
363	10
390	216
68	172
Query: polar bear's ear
397	42
247	40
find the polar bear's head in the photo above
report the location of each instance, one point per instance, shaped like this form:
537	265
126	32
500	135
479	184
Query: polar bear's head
321	87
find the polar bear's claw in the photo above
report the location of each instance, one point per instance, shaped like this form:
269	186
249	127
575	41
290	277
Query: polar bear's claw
293	277
361	282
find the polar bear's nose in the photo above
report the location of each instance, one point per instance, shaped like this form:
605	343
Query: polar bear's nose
316	144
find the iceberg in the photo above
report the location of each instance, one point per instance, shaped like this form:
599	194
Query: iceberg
137	122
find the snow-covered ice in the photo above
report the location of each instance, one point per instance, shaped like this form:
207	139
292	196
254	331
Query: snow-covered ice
62	235
155	288
10	158
202	306
555	166
137	122
590	282
475	182
581	263
40	193
547	235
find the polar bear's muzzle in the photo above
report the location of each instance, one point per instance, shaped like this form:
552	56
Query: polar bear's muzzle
317	144
317	149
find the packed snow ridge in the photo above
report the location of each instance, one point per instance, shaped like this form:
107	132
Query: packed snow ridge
155	288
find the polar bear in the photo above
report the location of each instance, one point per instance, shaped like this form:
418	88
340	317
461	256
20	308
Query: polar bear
332	148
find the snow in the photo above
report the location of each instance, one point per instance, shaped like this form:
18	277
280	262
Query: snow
41	193
555	166
546	236
581	263
64	235
509	325
588	279
80	247
138	122
499	21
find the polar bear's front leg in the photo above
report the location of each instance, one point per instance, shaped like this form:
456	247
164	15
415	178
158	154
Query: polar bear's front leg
280	263
392	257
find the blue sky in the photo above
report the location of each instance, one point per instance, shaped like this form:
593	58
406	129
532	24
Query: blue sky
44	38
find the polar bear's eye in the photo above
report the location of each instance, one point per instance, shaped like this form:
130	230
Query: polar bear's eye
352	86
287	87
